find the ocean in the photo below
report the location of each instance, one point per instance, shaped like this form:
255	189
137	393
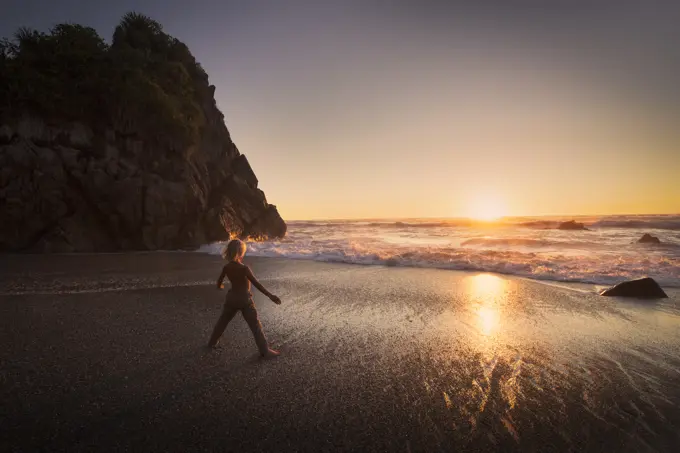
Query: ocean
531	247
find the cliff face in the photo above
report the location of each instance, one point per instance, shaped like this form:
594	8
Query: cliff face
64	188
81	183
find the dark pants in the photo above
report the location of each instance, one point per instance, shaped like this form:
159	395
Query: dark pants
242	302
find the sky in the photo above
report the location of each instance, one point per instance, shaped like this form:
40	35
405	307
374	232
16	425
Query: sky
402	109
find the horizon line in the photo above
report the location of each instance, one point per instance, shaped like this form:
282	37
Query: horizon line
356	219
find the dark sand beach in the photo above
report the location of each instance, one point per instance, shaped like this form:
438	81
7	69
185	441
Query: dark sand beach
106	353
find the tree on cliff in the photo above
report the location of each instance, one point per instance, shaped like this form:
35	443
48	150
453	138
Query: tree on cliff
144	83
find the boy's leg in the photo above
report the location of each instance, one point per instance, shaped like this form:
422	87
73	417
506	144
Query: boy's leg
227	315
250	315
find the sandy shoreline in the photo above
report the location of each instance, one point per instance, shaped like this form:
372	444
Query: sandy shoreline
105	352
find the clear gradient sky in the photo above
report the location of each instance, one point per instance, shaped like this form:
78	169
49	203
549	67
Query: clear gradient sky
358	109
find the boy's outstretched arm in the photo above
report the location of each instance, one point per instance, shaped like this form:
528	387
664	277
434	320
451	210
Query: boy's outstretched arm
221	278
259	286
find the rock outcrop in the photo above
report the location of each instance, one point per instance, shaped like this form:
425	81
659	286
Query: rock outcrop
66	189
571	225
649	239
99	173
643	288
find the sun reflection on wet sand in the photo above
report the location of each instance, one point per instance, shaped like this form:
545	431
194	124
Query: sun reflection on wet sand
489	319
486	293
496	381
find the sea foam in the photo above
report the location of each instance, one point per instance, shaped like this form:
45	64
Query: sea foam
525	247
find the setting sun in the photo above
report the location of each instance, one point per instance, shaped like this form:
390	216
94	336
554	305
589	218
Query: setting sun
486	209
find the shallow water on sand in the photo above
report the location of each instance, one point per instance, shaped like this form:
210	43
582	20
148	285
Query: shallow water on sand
495	361
376	358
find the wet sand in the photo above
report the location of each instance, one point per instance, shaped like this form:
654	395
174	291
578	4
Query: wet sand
105	352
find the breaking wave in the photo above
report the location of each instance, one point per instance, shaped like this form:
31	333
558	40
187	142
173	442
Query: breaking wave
587	268
508	242
656	224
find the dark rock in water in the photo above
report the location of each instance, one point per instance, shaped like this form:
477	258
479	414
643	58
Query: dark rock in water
143	163
571	225
649	239
644	288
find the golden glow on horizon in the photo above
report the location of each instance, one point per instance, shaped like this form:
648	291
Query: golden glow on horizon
422	120
498	162
486	209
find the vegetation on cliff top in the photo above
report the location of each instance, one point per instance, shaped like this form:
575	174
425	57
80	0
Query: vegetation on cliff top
145	83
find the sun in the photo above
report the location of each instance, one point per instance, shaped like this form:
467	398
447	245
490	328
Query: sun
486	209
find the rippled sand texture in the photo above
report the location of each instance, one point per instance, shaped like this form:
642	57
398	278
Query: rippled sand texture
105	352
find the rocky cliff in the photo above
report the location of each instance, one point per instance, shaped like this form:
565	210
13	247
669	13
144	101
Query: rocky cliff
137	156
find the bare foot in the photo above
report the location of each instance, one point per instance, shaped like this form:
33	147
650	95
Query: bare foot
271	353
213	346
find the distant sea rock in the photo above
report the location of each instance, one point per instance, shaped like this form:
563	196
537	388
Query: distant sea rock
118	147
649	239
571	225
644	288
